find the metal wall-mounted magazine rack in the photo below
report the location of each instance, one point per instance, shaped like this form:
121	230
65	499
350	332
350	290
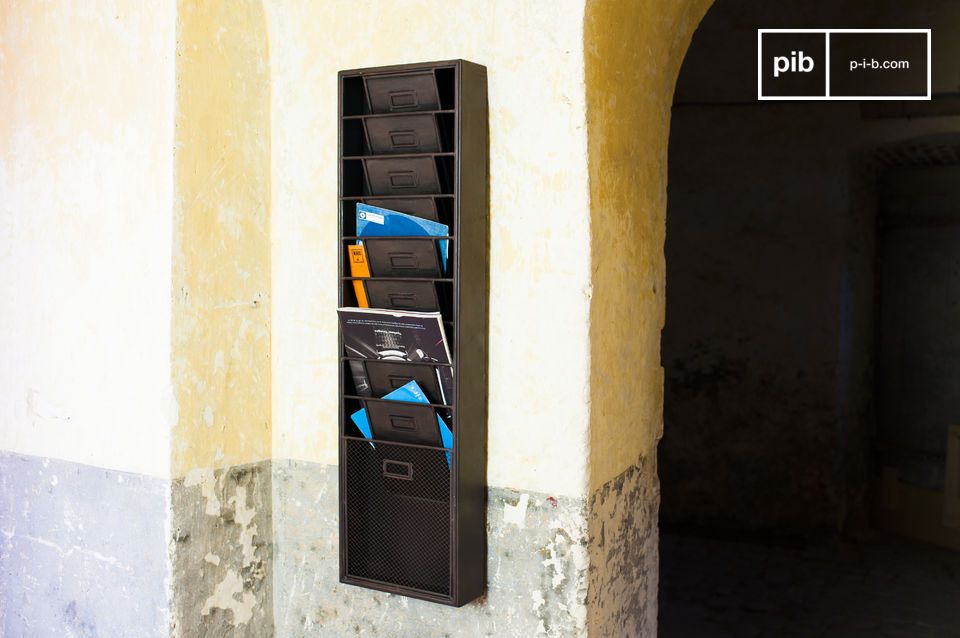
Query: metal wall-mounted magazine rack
413	138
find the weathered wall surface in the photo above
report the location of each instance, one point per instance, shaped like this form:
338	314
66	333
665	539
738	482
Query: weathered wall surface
536	565
625	553
222	552
220	497
629	93
86	93
221	270
82	550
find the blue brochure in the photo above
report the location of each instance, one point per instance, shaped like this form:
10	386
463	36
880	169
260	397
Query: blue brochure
410	392
373	221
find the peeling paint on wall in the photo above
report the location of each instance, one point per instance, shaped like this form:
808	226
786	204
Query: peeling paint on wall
229	595
222	551
629	95
536	570
625	554
222	519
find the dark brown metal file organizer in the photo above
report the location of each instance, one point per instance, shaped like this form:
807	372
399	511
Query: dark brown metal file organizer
414	138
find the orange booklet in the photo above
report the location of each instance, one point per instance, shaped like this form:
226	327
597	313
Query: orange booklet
359	268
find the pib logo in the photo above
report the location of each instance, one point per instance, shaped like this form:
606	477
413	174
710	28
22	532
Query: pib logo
871	64
796	63
792	64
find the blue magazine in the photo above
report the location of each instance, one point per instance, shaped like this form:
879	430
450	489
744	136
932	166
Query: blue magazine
373	221
412	393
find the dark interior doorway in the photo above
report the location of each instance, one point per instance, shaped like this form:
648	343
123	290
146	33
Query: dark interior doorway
812	344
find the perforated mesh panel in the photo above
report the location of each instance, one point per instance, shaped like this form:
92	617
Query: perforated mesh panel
398	515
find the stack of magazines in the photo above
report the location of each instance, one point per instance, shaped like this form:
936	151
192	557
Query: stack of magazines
398	351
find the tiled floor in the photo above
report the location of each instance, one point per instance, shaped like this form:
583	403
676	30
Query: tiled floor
884	587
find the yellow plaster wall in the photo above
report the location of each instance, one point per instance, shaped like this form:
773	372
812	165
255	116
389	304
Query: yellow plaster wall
633	52
221	254
104	80
539	217
86	131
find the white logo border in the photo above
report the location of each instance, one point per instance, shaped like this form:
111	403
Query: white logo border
826	96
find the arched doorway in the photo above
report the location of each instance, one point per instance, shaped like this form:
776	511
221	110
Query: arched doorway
797	455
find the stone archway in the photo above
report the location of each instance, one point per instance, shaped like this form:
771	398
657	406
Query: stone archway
633	52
